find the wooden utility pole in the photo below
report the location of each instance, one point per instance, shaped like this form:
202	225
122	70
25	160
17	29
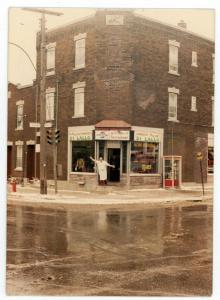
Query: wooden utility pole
43	163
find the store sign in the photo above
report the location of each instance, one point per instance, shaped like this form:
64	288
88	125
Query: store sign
112	135
81	136
140	136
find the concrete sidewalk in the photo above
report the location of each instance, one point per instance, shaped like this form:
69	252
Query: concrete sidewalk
29	194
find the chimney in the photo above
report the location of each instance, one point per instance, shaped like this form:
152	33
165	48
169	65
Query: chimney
182	24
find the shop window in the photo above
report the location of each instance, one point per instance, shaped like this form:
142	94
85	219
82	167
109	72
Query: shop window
173	57
144	157
20	116
49	106
194	59
80	50
81	151
51	58
193	104
210	159
19	156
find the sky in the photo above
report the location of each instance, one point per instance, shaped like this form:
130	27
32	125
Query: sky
23	26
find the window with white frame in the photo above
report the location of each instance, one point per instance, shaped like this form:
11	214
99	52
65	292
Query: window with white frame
51	58
193	103
194	59
19	156
213	111
172	108
79	102
50	104
213	68
80	46
20	115
173	57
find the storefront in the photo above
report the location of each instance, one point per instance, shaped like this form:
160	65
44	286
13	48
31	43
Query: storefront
135	151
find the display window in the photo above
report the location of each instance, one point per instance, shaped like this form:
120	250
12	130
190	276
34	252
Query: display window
81	151
144	157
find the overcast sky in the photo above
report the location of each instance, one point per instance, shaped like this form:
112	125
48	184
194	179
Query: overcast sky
23	26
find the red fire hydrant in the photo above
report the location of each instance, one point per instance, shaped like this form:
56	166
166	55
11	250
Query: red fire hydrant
13	186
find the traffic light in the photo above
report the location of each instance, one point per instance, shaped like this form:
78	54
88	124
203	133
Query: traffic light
50	136
57	136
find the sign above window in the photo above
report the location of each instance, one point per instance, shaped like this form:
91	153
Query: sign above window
112	135
81	136
114	20
146	137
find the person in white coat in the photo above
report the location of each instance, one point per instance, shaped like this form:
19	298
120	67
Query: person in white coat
102	169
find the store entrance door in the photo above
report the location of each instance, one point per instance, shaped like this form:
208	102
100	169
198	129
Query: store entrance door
114	159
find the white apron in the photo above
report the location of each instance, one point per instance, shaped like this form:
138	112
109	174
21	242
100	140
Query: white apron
102	169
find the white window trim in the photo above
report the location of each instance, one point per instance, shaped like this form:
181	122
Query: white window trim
50	90
51	71
19	143
30	142
172	90
9	143
193	97
20	102
79	84
175	44
9	94
80	36
194	64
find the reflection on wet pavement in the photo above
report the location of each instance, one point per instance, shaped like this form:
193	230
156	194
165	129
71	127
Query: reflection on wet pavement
153	251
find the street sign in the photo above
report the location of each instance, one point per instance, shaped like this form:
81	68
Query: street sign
199	156
34	125
48	125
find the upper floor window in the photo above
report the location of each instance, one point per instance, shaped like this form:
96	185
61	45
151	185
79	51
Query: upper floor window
50	92
173	57
51	58
213	68
80	46
79	91
19	155
20	114
194	59
213	111
193	103
172	108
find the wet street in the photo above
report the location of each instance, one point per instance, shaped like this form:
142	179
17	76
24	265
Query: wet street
144	251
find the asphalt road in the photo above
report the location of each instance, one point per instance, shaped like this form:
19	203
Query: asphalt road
154	251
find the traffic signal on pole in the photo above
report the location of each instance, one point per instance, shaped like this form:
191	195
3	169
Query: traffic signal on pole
50	136
57	136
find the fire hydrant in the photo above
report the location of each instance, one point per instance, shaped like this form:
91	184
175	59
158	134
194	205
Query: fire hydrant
13	186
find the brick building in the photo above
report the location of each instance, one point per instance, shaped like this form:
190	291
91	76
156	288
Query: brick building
129	89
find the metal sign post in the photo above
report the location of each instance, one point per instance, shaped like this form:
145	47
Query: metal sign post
200	158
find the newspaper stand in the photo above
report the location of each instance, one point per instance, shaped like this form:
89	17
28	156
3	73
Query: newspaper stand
172	171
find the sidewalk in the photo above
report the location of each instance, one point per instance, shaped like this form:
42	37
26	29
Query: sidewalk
29	194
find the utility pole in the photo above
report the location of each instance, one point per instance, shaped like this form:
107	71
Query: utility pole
43	163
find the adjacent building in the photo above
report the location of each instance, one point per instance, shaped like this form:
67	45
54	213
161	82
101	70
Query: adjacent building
124	87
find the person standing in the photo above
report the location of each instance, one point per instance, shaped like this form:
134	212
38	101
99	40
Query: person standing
102	169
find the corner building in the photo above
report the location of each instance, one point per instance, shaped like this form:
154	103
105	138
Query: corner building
132	90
